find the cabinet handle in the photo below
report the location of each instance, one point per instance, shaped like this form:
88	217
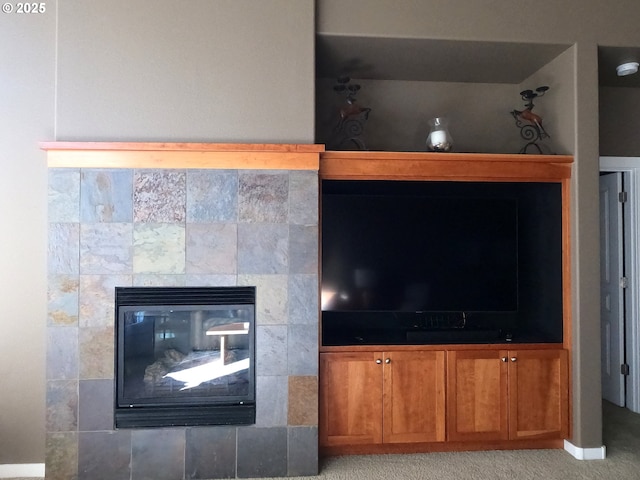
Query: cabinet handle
504	359
513	359
378	361
388	360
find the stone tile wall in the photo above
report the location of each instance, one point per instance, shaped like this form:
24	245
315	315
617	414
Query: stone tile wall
165	227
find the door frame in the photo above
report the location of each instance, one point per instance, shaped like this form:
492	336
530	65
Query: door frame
630	168
612	294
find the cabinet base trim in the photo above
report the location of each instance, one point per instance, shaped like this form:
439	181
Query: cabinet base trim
597	453
391	448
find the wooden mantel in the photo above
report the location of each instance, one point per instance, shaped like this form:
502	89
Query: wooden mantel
398	165
182	155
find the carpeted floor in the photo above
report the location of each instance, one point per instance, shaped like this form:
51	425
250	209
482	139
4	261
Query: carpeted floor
621	436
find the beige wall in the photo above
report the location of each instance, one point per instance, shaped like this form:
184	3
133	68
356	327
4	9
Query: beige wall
26	116
215	71
240	70
559	104
619	132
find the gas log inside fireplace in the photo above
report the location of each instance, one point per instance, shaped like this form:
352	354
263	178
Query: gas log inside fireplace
184	356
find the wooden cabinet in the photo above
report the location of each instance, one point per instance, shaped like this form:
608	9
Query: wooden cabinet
457	398
507	395
350	398
477	388
413	397
382	397
538	394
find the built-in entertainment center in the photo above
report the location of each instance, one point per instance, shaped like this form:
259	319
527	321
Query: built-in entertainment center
445	301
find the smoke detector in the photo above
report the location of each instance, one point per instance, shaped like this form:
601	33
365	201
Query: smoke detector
627	69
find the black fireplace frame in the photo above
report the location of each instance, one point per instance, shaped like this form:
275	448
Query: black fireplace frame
191	411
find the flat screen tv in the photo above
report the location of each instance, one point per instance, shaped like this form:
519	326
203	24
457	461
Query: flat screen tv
400	255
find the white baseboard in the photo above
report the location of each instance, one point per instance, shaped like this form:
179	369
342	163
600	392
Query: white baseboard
24	470
598	453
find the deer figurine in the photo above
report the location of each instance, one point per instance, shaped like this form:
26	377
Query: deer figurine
527	114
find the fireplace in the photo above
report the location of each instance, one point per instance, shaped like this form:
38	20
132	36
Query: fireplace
184	356
143	216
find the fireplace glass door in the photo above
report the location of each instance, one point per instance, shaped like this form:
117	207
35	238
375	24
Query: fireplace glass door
184	364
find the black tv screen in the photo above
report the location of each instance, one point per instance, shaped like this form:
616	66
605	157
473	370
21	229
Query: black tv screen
397	246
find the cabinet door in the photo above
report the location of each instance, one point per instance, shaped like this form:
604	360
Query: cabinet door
350	398
477	407
538	394
414	397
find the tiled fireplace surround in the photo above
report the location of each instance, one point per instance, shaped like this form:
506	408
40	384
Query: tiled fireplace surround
121	223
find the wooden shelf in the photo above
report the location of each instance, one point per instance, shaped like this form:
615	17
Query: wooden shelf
182	155
351	165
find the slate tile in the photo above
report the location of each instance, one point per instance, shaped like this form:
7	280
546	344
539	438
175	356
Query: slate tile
263	197
262	452
106	195
157	454
303	452
210	452
104	455
63	195
95	410
159	196
212	196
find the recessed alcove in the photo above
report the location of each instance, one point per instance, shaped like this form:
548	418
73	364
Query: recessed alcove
407	81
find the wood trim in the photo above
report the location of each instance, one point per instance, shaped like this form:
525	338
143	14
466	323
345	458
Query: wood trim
182	155
567	314
566	261
184	146
443	166
391	448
